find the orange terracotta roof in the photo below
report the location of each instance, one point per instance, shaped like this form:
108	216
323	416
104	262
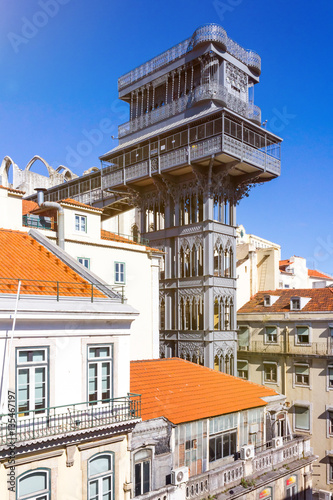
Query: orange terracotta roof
28	206
108	235
321	300
283	264
12	190
23	258
182	391
76	203
317	274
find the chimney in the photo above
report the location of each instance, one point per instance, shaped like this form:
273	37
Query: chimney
58	207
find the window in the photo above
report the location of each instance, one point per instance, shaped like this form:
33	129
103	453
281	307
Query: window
243	338
295	304
142	470
330	422
302	418
222	445
267	300
84	261
302	335
243	369
266	494
100	477
34	485
291	488
32	379
302	373
100	373
119	272
330	469
81	223
271	334
270	372
330	377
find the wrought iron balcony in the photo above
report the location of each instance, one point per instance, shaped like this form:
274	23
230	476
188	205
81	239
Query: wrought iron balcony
200	93
67	419
206	33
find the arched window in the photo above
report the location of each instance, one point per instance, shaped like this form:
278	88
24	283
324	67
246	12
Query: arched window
34	485
100	477
142	472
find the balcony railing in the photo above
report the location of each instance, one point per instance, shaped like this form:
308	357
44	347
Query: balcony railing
200	93
60	290
67	419
38	222
215	481
315	348
206	33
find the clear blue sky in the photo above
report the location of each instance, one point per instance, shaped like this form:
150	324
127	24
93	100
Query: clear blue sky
60	60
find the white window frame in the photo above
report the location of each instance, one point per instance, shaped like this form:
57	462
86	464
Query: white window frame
304	404
329	367
120	275
83	261
99	362
299	384
275	382
79	228
276	335
100	476
148	459
329	421
247	364
297	343
292	301
221	435
31	367
36	494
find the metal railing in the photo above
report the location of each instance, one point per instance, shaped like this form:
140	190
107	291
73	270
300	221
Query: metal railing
38	222
216	480
200	93
123	237
208	32
66	419
60	289
315	348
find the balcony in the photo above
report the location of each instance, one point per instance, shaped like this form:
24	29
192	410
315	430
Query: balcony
38	222
67	419
221	135
60	290
234	475
200	93
324	348
206	33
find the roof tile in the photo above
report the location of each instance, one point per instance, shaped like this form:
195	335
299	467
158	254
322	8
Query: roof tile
41	272
182	391
321	300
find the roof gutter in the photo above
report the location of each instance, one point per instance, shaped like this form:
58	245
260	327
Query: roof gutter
61	217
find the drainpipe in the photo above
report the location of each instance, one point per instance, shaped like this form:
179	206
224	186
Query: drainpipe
61	221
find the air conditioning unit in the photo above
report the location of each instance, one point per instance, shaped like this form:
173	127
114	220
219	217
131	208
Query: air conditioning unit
247	452
325	495
277	442
179	475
